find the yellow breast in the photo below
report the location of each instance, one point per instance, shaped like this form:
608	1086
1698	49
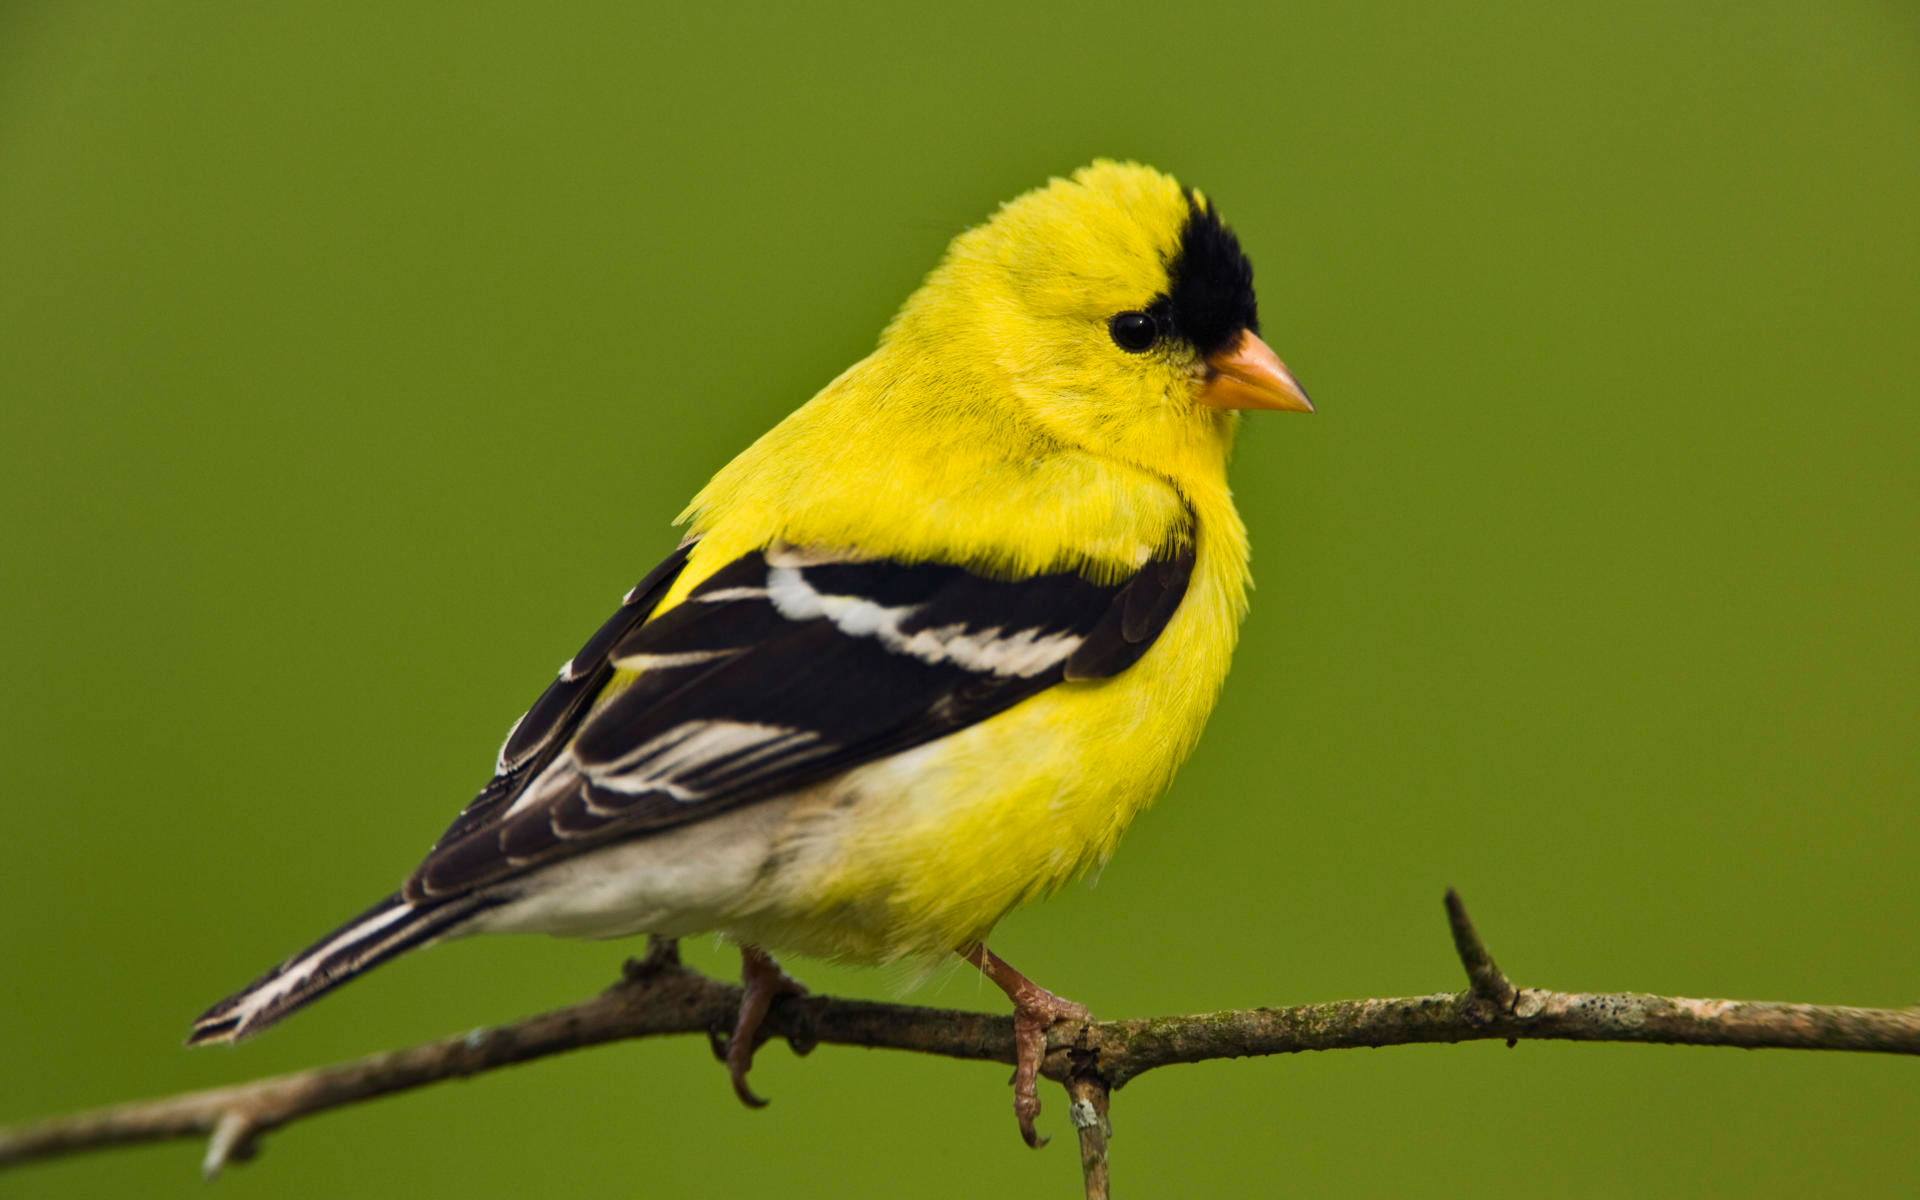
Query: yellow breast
922	853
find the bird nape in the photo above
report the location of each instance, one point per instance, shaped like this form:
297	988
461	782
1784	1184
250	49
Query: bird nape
927	647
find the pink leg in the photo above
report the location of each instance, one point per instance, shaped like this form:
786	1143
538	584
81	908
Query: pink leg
765	982
1035	1009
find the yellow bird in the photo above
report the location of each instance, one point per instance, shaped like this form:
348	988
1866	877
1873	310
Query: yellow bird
928	646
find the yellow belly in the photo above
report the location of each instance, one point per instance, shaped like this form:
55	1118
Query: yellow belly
922	853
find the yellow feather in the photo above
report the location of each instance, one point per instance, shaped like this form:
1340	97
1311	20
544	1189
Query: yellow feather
1045	402
995	426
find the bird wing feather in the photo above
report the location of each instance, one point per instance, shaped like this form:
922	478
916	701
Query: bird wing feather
782	668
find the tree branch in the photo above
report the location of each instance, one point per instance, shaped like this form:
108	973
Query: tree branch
660	996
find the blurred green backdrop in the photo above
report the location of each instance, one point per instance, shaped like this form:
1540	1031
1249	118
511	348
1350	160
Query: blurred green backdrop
354	358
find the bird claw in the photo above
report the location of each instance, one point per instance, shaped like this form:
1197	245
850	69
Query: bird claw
764	983
1035	1011
1033	1016
737	1068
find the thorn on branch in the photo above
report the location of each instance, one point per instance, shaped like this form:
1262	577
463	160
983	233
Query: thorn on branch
1493	991
662	958
233	1140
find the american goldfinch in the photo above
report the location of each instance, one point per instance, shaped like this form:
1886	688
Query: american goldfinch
926	649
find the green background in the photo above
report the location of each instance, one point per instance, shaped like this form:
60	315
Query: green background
353	359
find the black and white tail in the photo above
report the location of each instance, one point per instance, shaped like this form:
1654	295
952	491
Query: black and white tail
390	927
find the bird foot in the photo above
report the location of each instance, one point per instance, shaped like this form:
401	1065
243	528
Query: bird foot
1035	1011
765	982
1031	1021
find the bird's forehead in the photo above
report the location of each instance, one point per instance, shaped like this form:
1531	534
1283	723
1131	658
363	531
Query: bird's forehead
1110	235
1119	236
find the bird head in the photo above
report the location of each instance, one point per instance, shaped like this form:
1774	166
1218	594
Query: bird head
1114	307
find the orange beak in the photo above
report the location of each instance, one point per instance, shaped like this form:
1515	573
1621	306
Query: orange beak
1249	374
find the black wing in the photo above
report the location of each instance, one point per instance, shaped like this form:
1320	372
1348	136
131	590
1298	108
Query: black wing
543	729
781	669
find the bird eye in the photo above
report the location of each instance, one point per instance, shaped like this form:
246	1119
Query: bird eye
1133	331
